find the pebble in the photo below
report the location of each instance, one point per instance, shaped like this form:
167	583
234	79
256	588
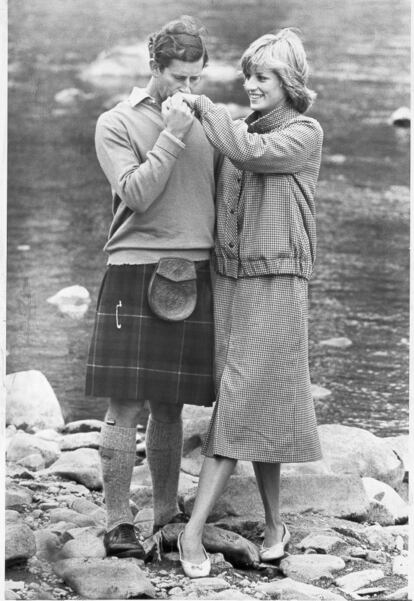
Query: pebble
175	591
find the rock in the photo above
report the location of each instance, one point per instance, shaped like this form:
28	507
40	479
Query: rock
321	543
400	565
337	342
355	580
400	446
386	496
64	514
237	550
142	496
33	462
379	537
31	401
72	301
105	578
376	556
141	476
209	584
144	521
319	393
379	514
399	595
84	545
80	440
191	464
195	425
12	516
82	425
17	497
9	592
289	589
20	542
310	568
229	594
349	450
82	465
401	117
86	507
22	445
49	434
48	544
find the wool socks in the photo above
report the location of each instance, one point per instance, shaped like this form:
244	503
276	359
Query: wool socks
164	443
117	451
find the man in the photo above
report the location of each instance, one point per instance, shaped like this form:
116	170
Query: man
161	170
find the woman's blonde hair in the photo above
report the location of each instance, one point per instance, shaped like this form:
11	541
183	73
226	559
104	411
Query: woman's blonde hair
284	54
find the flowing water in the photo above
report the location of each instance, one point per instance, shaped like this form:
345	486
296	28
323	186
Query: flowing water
59	201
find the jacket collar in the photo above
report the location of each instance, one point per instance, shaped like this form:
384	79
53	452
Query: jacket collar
281	114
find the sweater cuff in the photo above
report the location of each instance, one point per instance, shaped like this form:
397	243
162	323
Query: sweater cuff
203	105
170	143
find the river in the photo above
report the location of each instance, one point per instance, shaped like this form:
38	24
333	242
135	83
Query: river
59	201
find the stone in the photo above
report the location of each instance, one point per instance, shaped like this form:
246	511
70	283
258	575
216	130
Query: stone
17	497
319	392
237	550
290	589
310	568
376	556
20	542
48	544
209	584
378	537
400	565
105	578
142	496
82	425
340	342
84	545
49	434
355	580
195	425
379	514
64	514
141	476
34	462
79	440
23	444
144	521
31	401
400	446
81	465
353	451
386	496
322	543
72	301
12	516
399	595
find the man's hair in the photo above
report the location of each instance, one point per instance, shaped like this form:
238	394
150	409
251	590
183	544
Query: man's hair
181	39
284	54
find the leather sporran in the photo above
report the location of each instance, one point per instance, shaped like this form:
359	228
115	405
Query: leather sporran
172	291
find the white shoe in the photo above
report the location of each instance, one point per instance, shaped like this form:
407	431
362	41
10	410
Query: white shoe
278	550
194	570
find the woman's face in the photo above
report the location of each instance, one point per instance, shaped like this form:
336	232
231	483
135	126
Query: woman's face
264	91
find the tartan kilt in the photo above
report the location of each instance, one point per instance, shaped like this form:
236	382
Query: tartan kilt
148	358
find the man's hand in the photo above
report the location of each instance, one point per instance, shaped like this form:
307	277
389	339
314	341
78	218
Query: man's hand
177	116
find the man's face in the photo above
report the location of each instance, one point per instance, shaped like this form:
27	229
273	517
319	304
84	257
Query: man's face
179	76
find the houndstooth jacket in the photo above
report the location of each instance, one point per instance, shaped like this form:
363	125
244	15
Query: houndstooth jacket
265	194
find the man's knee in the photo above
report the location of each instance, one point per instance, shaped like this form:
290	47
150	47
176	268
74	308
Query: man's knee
166	412
124	412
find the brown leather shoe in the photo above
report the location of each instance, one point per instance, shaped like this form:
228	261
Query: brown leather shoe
122	542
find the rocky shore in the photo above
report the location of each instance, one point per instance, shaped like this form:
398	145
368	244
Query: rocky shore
347	514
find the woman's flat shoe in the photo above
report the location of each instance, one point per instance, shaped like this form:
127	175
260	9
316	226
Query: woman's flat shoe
278	550
194	570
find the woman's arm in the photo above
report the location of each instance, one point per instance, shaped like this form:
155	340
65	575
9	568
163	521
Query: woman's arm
283	151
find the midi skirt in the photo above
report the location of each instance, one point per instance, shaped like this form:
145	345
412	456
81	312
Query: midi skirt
134	354
264	409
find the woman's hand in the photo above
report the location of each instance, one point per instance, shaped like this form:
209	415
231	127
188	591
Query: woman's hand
189	99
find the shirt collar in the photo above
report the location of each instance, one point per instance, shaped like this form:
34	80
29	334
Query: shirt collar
137	96
275	118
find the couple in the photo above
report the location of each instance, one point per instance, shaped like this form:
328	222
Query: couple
187	179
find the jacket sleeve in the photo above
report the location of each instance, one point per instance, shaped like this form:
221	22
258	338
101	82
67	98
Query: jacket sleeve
284	151
137	182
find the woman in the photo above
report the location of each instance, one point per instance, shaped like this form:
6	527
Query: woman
264	255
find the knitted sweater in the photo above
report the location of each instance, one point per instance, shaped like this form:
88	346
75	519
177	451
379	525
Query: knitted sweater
162	187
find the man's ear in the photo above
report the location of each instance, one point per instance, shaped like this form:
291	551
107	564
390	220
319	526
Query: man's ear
155	68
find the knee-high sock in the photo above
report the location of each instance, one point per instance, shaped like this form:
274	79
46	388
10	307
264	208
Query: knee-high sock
164	442
117	451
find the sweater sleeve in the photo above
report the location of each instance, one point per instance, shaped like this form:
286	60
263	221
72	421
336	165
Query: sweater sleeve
137	183
284	151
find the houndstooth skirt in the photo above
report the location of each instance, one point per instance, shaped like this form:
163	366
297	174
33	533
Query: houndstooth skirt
135	355
264	409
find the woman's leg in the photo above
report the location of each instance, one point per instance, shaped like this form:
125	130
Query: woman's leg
214	476
268	481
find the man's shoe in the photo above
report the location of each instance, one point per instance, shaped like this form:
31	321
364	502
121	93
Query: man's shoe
122	542
178	518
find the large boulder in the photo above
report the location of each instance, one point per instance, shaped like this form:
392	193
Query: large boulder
312	567
82	425
79	440
17	497
31	401
85	545
22	445
338	496
387	499
105	578
20	542
81	465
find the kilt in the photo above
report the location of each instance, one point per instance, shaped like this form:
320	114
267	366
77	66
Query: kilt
148	358
264	409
